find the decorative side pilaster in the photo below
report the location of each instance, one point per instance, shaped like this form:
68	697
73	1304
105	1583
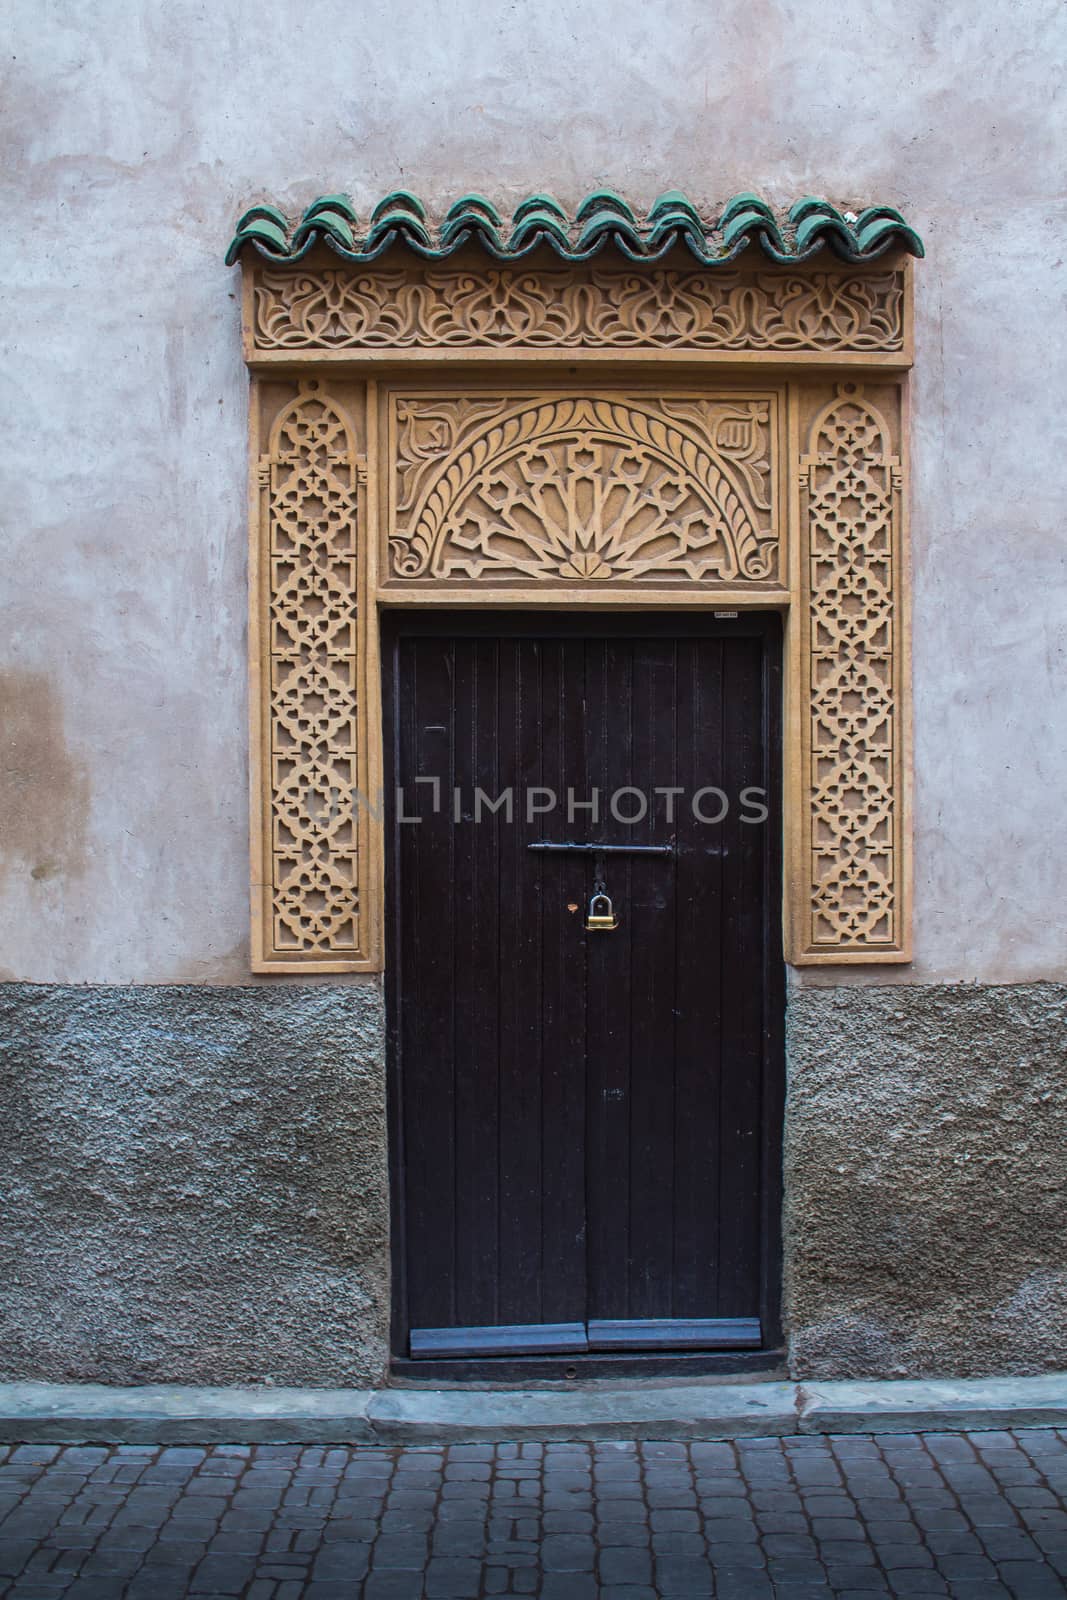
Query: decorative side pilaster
309	905
852	884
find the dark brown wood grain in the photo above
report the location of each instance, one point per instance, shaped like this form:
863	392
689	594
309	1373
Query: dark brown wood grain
585	1126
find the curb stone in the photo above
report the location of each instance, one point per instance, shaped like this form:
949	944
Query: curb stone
32	1413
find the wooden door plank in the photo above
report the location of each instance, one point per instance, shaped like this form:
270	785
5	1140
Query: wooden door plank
653	966
742	978
521	976
608	666
427	1000
562	1000
698	1018
473	896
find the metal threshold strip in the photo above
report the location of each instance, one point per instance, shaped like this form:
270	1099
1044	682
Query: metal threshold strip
582	1338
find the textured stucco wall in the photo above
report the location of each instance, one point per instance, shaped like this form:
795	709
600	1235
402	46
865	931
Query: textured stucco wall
194	1185
926	1181
133	133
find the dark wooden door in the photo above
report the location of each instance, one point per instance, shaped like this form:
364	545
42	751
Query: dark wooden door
585	1123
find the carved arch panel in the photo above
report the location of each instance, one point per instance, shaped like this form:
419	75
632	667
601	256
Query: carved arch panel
566	488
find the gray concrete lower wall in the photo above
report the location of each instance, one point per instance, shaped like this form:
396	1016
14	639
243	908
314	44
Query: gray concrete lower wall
926	1180
194	1184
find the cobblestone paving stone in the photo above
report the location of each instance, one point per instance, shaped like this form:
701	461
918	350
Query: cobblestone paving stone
970	1515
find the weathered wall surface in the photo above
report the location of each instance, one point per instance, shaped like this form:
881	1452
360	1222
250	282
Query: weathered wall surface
197	1173
135	133
194	1185
926	1174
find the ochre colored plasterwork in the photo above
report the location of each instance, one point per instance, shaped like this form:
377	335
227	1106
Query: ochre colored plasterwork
676	490
337	308
558	488
306	829
853	775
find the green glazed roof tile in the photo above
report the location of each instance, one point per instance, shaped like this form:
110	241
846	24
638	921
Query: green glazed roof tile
538	203
603	221
673	201
604	200
872	212
332	225
879	228
602	224
264	213
742	223
800	208
397	220
468	225
535	225
399	200
742	202
474	203
332	202
268	237
675	227
829	227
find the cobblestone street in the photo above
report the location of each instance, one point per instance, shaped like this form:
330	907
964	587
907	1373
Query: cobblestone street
973	1516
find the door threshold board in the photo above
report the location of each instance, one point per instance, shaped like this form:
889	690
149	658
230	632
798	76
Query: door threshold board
507	1371
667	1335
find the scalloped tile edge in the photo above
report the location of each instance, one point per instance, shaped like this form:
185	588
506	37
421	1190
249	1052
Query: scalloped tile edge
603	220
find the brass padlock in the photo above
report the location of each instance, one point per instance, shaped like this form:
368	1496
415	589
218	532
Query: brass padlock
601	917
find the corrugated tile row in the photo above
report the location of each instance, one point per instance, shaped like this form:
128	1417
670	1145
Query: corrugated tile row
604	220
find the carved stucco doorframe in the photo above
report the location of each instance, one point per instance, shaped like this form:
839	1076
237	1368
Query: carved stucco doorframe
333	355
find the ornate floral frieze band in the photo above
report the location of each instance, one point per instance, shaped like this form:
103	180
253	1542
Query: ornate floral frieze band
337	308
469	474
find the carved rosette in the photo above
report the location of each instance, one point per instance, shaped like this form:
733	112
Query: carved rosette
310	479
565	489
338	308
854	759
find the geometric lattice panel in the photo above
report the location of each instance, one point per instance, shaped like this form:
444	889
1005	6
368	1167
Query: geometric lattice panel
854	781
311	478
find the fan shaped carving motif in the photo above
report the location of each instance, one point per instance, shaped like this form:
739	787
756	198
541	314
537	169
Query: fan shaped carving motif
584	489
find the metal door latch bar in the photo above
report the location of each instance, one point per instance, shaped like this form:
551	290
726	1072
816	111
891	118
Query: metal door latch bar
608	849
